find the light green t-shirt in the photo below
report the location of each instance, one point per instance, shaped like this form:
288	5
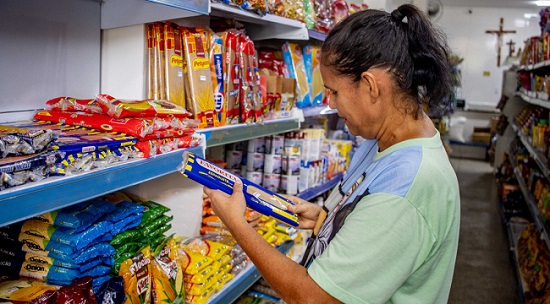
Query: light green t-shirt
399	244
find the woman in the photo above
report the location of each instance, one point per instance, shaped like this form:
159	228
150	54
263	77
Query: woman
391	229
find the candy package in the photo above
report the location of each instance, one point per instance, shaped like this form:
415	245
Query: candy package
257	197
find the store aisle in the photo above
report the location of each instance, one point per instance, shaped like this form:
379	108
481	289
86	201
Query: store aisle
484	272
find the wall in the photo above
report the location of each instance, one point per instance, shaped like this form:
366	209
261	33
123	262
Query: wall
465	29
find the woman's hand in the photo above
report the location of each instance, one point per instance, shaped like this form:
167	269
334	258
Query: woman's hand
307	212
230	208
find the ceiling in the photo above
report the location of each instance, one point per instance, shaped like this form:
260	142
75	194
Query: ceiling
482	3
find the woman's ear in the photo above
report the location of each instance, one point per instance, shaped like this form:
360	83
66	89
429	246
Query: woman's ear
369	80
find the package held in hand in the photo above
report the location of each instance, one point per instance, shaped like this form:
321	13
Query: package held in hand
257	197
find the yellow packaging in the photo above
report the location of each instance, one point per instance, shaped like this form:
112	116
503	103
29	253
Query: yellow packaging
137	279
152	90
204	247
200	277
318	90
167	274
217	73
174	64
200	99
293	57
199	289
23	290
193	263
160	59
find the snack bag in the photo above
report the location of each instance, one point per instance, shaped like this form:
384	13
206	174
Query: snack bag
24	290
312	56
200	100
137	279
167	274
174	64
292	54
257	197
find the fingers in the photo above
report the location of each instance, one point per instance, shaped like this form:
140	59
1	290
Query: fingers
298	208
214	194
294	199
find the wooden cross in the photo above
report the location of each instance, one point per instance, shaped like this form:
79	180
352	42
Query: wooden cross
500	32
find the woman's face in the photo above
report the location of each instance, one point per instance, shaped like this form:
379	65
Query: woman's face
353	102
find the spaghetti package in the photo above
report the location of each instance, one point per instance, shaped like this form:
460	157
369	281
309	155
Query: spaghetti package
292	54
232	79
118	108
257	197
200	100
312	56
174	64
136	273
152	83
160	58
23	141
217	72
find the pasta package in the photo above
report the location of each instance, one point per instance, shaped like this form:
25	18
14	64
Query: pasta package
293	56
312	56
152	90
160	59
174	64
136	273
216	70
119	108
257	197
232	79
200	100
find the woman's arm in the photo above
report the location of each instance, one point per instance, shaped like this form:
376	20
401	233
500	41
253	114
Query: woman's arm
288	278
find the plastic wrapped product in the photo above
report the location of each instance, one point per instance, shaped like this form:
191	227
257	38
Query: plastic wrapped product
293	56
232	79
71	104
118	108
79	291
79	215
167	274
111	291
25	290
23	141
257	197
217	72
136	273
247	96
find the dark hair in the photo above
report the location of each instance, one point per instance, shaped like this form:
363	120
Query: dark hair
413	50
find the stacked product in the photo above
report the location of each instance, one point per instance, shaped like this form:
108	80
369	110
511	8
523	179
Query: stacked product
24	155
534	262
64	245
533	122
512	202
214	75
209	268
158	126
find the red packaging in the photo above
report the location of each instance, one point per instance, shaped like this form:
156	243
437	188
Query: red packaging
246	51
232	77
71	104
138	127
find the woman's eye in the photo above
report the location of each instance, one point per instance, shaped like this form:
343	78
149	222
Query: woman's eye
333	92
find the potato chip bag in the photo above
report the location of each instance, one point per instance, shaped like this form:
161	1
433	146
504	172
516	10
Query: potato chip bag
137	279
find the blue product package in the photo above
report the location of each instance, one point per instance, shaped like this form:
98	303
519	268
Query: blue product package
80	239
100	249
48	273
128	223
123	210
78	216
257	197
90	264
110	291
97	271
294	59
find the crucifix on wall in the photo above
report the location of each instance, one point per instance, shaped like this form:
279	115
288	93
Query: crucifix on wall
500	33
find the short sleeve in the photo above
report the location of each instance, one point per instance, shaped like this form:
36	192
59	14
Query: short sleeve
379	246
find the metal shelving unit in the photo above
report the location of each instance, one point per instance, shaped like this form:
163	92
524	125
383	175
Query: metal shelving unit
514	231
530	200
316	191
25	201
319	110
243	281
535	101
235	133
539	158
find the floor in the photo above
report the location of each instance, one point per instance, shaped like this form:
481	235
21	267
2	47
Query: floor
484	271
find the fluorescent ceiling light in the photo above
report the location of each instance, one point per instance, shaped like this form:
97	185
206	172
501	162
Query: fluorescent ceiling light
542	3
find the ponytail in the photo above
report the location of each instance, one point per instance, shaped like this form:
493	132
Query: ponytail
404	42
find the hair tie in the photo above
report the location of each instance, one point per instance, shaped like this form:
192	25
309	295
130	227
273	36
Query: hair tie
397	16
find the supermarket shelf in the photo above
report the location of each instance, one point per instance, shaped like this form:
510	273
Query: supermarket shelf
539	158
535	101
320	110
537	66
265	27
243	281
316	191
120	13
530	200
514	231
25	201
236	133
317	35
